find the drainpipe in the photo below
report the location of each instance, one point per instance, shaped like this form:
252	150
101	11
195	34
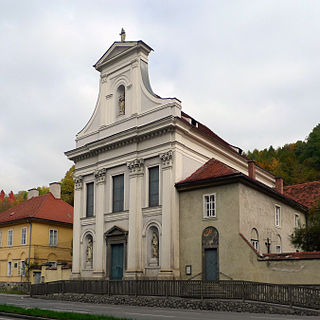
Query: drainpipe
30	229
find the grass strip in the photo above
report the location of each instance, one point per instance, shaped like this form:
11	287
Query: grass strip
36	312
13	292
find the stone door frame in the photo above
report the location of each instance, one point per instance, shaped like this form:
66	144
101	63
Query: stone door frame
115	235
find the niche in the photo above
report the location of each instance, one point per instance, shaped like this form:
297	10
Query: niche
121	100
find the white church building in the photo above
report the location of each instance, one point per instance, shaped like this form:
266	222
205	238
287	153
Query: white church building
128	159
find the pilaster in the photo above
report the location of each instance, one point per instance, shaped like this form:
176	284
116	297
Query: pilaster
134	254
166	271
78	186
100	176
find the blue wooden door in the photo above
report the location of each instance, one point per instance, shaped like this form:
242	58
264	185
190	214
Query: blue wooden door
211	264
116	262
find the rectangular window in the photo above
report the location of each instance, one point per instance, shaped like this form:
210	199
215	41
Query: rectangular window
23	268
90	197
255	244
0	239
53	237
9	268
278	249
10	237
24	235
118	193
153	187
277	216
209	205
296	220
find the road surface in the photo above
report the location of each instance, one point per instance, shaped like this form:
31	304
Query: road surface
139	313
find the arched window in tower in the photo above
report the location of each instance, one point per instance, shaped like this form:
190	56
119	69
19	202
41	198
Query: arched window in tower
121	100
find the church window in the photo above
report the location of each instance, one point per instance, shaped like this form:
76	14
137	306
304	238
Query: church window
90	199
153	186
118	193
255	238
209	205
277	216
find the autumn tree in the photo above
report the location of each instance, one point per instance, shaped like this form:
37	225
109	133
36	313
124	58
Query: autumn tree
67	186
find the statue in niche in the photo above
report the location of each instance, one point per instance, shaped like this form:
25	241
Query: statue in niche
89	252
122	104
155	246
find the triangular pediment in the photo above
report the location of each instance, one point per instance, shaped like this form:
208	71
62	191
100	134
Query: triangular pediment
117	49
115	231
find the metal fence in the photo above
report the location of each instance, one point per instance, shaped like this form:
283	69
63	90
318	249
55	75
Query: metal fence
293	295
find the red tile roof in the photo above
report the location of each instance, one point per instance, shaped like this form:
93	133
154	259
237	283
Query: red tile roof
209	133
43	207
305	193
211	169
292	255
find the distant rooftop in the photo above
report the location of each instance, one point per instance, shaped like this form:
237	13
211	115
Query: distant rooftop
45	207
308	193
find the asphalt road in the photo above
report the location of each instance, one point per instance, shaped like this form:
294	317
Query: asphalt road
138	313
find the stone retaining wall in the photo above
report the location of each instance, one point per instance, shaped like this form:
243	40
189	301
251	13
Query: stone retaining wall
17	286
184	303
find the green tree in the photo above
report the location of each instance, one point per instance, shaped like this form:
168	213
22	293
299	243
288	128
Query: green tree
295	162
307	237
67	186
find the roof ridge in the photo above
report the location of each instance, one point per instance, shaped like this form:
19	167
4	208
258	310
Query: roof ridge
207	164
303	183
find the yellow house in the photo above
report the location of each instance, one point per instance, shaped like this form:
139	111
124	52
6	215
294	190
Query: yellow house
35	232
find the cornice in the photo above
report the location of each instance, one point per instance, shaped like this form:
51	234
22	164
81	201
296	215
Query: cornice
135	135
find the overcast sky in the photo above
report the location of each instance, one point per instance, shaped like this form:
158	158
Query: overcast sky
250	70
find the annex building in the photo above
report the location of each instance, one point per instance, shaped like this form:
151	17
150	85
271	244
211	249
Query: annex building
159	195
35	232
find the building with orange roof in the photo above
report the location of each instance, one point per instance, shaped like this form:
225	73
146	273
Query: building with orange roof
35	232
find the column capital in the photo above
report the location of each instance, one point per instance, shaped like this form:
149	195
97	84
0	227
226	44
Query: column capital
100	175
78	182
166	159
136	167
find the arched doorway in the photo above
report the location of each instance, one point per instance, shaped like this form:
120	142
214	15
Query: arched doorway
210	257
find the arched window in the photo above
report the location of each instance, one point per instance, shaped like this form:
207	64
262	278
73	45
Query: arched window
255	238
278	246
121	100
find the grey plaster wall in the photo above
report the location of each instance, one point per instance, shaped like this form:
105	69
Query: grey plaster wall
192	225
257	210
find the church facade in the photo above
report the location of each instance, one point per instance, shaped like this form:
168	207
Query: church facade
132	160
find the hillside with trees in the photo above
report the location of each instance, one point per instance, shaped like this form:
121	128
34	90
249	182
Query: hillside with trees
295	162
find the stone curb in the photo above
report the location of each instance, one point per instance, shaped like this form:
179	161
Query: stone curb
185	304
